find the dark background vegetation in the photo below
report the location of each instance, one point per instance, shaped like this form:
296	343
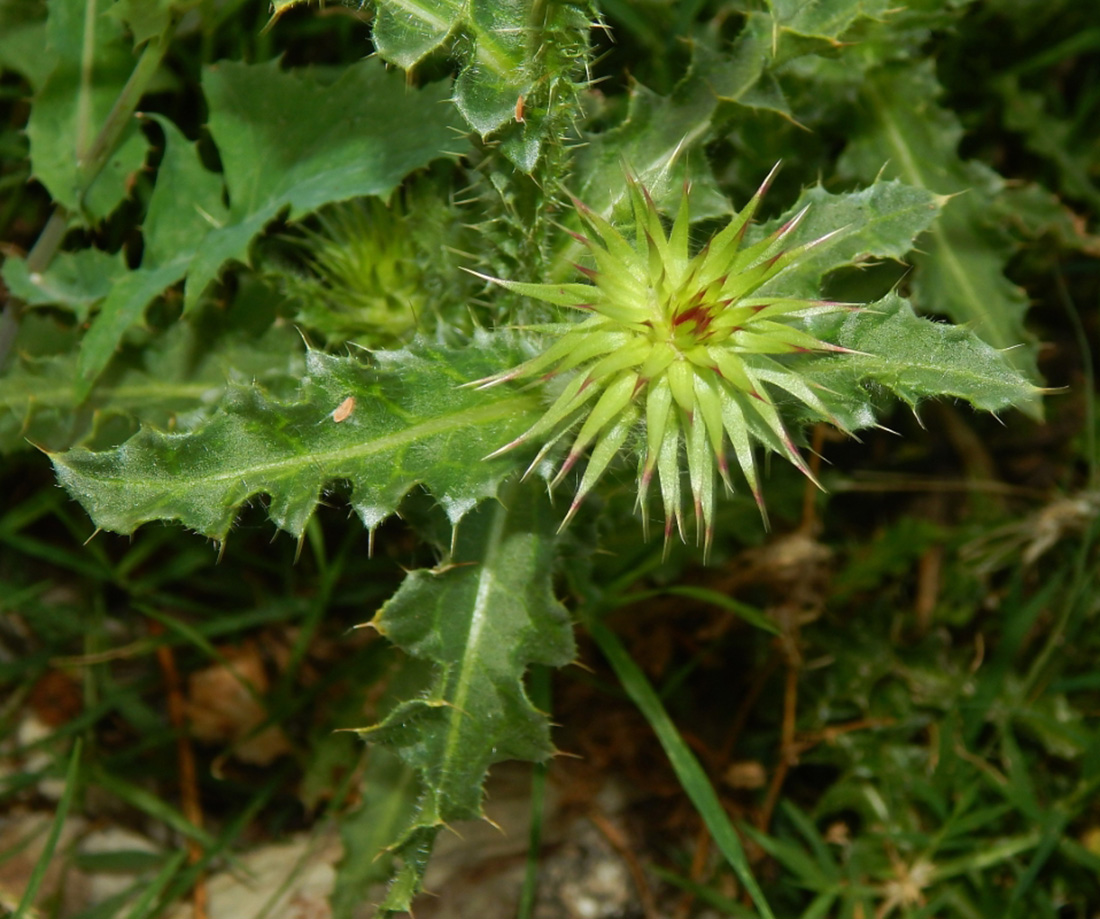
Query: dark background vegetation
922	739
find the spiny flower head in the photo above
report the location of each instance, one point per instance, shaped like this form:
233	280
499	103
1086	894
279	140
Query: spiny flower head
375	272
677	345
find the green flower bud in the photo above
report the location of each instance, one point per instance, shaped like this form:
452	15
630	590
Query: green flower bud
679	345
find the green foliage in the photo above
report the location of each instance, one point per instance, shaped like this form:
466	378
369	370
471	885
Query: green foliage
275	164
272	167
914	358
323	276
961	273
89	58
383	429
484	615
171	381
522	63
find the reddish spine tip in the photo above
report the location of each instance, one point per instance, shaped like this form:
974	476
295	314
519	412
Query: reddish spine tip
571	512
570	462
500	452
767	183
796	457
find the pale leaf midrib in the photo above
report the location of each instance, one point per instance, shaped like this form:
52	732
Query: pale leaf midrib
486	582
470	417
944	253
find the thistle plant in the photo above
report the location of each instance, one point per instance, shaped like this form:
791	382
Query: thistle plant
684	346
688	356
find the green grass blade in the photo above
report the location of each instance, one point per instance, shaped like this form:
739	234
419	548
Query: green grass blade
38	874
753	615
153	807
146	904
691	775
724	905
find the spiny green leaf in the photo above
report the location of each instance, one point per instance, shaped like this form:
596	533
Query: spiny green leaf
960	271
880	221
753	71
384	426
520	62
406	31
484	616
913	358
741	74
175	224
289	143
72	105
487	90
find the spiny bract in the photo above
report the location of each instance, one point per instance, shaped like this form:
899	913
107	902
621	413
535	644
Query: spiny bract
680	342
